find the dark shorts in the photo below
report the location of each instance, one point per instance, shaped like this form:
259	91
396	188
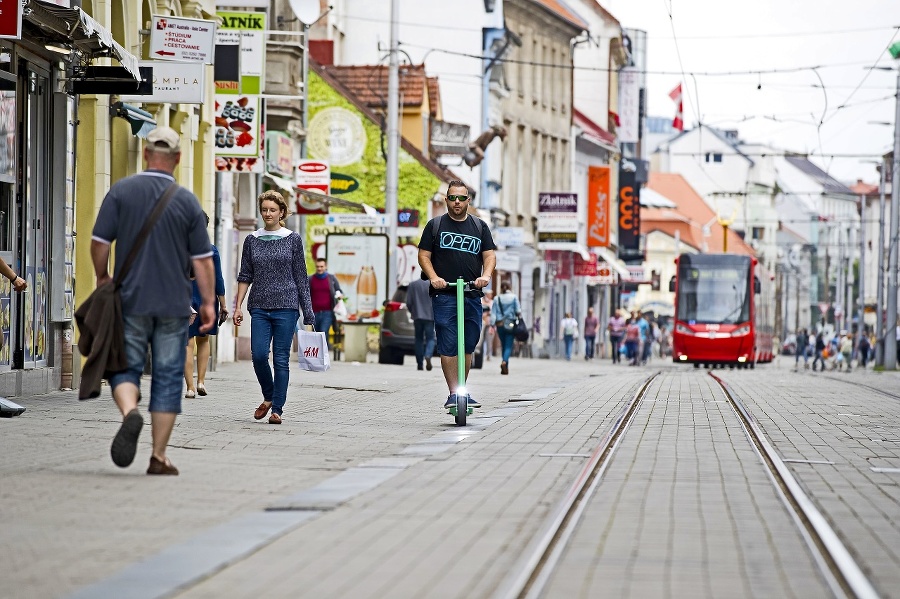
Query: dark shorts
444	306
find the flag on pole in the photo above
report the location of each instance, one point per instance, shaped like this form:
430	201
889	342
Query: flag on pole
678	121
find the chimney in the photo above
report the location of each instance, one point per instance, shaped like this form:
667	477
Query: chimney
322	51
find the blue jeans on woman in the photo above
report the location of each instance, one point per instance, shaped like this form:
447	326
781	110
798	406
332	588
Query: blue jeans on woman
569	340
506	342
273	328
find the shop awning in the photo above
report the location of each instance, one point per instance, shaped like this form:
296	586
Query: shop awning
330	200
279	182
142	122
614	262
73	28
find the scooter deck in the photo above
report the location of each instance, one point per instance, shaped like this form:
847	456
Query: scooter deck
452	411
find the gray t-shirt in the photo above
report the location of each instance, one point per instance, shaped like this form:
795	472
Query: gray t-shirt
158	283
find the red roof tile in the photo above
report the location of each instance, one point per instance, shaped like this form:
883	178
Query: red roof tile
560	9
434	97
688	217
369	83
866	189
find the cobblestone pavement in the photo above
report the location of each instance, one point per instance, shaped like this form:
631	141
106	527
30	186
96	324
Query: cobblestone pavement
368	490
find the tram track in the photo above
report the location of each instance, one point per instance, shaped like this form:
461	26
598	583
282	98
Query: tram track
842	574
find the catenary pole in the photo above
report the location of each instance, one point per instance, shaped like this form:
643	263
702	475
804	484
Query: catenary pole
861	324
890	345
879	260
393	150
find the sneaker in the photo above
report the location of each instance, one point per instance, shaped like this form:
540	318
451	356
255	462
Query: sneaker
451	401
428	363
473	403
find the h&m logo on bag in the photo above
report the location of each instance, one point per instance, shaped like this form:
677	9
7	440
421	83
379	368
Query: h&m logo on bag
311	352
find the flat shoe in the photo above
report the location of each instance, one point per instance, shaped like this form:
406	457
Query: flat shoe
124	444
157	467
262	410
275	419
201	389
190	394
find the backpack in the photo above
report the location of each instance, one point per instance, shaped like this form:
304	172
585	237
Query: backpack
436	228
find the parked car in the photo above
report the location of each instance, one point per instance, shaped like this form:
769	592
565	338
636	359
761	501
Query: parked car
789	347
398	333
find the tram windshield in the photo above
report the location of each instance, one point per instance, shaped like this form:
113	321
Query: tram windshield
713	295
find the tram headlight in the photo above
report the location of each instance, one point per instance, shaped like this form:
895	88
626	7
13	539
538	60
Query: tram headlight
683	358
683	329
741	331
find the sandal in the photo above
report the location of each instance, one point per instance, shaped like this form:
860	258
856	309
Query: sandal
262	410
275	418
190	394
201	389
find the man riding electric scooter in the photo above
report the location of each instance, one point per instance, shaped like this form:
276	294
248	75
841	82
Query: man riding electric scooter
456	245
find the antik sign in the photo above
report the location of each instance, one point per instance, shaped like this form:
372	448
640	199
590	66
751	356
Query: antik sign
174	82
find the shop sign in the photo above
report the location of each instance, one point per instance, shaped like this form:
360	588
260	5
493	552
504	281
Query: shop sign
11	19
280	154
508	262
337	135
245	30
637	274
629	210
174	82
606	275
557	221
585	268
449	138
355	219
237	131
184	40
509	237
629	105
314	175
598	206
341	183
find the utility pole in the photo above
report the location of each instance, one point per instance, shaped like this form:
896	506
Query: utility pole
890	346
393	151
861	327
879	260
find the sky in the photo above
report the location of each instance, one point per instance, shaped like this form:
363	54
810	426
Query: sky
852	114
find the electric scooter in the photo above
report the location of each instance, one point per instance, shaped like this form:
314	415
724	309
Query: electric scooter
461	409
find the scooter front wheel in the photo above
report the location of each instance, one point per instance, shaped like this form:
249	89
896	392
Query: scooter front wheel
462	407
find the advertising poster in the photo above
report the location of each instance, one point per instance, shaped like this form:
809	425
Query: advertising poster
360	263
598	206
629	213
314	175
557	223
5	320
237	133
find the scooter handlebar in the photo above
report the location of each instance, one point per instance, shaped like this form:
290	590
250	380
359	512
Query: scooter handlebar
467	285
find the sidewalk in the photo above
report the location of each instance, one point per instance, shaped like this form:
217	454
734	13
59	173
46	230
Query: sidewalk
68	510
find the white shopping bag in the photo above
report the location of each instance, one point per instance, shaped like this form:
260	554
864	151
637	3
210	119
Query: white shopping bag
313	351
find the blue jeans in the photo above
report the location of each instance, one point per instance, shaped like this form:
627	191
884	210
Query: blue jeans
324	323
589	347
424	339
506	342
273	328
569	340
167	340
444	306
615	341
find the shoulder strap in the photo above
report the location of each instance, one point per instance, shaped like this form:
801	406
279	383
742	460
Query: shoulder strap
145	231
435	225
501	305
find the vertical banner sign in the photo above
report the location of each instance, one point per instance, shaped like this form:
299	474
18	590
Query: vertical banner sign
238	131
629	105
629	211
314	175
598	206
11	19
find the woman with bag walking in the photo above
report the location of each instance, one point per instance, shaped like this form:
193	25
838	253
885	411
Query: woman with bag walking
568	327
505	311
273	268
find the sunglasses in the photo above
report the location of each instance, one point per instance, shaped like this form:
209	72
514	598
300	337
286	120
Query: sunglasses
457	198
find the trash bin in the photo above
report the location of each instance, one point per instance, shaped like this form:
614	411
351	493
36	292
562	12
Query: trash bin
356	345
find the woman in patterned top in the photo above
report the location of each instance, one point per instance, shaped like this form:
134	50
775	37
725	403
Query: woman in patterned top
273	267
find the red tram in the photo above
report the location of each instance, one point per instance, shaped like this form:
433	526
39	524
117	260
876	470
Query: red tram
724	306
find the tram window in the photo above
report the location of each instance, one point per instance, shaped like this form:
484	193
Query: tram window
757	286
672	285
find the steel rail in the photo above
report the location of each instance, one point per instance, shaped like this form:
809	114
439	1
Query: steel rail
531	572
841	571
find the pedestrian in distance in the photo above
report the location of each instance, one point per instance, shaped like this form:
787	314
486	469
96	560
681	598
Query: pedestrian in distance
862	349
846	350
819	351
591	323
616	328
273	268
419	304
646	337
453	245
487	331
156	296
201	339
324	289
568	331
632	342
505	311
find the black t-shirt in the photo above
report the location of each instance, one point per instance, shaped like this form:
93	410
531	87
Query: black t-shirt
457	250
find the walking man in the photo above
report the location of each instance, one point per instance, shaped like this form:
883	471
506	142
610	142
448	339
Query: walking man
591	323
156	294
419	304
456	244
323	286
